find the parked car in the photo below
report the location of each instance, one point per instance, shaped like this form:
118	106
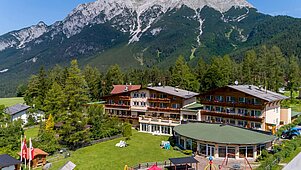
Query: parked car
291	133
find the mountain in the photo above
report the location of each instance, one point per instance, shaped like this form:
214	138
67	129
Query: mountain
141	33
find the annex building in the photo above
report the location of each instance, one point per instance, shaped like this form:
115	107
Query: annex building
245	105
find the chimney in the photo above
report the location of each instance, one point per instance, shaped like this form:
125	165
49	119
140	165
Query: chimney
250	87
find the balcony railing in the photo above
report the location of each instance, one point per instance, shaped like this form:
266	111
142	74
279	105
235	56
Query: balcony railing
161	100
159	120
233	104
118	106
125	97
168	109
124	116
232	115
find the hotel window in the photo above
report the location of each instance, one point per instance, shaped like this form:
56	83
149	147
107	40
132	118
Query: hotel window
256	101
230	99
218	109
153	95
163	105
176	105
209	98
143	103
120	102
222	151
219	119
255	125
219	98
208	118
257	113
152	104
242	100
232	121
208	108
143	95
136	95
242	123
111	101
230	110
162	95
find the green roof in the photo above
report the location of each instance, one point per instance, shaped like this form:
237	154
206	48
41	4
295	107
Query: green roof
294	114
224	134
195	106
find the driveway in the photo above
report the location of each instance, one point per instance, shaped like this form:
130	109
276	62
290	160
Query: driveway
295	164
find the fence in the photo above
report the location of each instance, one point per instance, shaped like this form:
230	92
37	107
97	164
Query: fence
105	139
149	164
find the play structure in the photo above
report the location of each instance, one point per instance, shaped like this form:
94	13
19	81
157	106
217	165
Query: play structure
210	165
121	144
165	145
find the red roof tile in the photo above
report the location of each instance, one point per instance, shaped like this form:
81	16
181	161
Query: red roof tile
122	88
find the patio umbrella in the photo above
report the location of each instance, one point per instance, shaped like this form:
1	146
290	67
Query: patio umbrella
154	167
125	167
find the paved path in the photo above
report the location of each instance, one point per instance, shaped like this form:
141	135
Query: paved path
295	164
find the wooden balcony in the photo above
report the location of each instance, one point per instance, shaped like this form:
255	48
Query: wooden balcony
124	97
233	104
159	109
159	100
232	116
118	106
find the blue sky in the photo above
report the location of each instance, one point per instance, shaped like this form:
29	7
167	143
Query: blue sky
17	14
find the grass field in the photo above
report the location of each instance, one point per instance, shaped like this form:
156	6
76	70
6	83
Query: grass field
105	156
31	132
11	101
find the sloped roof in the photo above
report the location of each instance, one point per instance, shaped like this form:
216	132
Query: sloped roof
16	109
6	160
183	160
259	93
122	88
224	134
174	91
38	151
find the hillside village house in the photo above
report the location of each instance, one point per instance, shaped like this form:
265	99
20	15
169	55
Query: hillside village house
246	106
152	109
21	111
159	109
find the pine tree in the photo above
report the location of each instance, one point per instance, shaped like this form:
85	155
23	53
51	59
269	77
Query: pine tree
294	80
54	101
249	67
113	76
93	79
200	72
182	77
76	89
49	123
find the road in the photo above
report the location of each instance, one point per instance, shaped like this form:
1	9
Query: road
295	164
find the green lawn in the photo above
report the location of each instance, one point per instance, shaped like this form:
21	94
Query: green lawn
103	156
11	101
31	132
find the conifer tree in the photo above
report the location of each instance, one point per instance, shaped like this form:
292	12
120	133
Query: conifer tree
76	89
54	101
113	76
93	79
